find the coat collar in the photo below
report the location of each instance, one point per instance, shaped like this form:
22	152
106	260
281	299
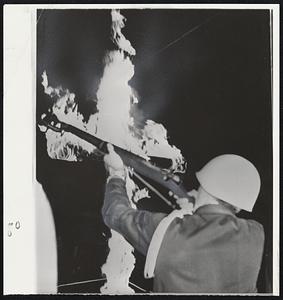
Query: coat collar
213	209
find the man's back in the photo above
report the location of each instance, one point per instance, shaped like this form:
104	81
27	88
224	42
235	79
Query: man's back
211	251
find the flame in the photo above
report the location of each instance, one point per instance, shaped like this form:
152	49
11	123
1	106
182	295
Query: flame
119	266
120	261
112	122
114	102
65	146
156	143
118	37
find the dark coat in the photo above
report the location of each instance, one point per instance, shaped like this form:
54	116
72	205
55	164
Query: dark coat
211	251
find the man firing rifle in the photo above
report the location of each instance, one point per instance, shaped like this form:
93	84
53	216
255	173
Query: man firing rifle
204	249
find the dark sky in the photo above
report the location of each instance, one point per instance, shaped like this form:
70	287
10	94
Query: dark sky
211	89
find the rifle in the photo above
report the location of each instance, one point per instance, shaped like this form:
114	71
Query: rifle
139	165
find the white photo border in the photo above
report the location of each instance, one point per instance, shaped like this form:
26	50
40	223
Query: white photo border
19	149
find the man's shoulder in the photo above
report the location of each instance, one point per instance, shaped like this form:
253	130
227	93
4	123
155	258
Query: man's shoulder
254	228
252	223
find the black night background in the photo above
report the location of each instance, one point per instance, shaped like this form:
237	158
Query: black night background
204	74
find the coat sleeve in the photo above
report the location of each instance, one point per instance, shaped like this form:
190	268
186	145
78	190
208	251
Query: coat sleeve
137	226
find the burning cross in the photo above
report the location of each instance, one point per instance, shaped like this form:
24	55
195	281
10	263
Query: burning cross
112	122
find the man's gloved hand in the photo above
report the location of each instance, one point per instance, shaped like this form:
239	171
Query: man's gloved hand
113	163
184	202
193	193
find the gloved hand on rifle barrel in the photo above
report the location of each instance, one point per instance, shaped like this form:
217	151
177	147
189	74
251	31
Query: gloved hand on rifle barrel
113	163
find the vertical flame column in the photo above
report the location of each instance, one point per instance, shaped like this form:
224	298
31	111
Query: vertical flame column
113	121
